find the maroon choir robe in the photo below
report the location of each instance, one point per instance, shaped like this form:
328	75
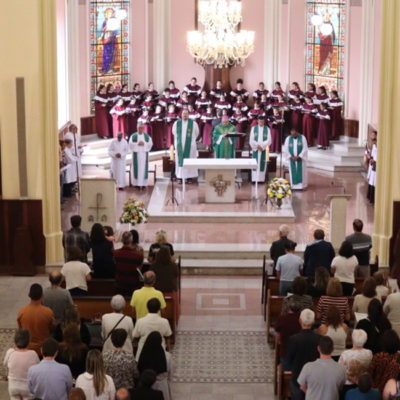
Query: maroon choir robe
321	98
310	93
202	104
165	101
158	132
276	125
153	93
293	93
337	120
309	123
132	113
145	120
253	114
206	128
276	92
240	92
138	96
193	92
324	128
175	94
101	115
258	93
170	119
296	115
241	105
181	104
118	119
222	105
126	96
266	106
216	94
112	98
194	116
147	106
240	122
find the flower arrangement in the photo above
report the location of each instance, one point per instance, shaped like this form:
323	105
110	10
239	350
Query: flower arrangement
279	189
134	212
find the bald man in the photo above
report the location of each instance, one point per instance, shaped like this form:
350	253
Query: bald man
55	297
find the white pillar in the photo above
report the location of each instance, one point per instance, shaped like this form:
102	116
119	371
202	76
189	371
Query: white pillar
338	213
272	41
366	68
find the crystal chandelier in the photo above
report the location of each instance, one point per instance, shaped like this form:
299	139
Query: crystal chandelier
220	44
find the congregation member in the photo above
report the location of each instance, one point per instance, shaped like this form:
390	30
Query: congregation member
118	113
318	253
336	329
185	132
101	112
95	382
36	318
103	264
140	144
295	152
76	273
76	237
277	248
324	127
375	325
151	322
55	297
335	105
161	240
334	297
362	300
301	349
117	357
344	267
117	320
18	360
322	378
128	265
193	90
362	244
145	388
321	279
77	148
309	110
49	380
76	394
275	123
71	171
364	390
260	140
117	150
224	147
154	357
166	271
391	308
382	289
298	293
141	296
288	267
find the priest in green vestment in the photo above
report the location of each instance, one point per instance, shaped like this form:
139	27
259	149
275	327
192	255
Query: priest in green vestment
224	147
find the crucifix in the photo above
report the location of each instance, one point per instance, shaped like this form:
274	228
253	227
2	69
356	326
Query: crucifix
98	207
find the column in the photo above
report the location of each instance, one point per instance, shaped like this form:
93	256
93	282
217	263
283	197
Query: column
366	69
272	41
388	165
338	214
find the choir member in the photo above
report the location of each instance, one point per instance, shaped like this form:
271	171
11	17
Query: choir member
224	147
132	113
112	97
148	103
276	125
170	118
309	111
254	113
206	120
277	91
281	103
239	91
239	103
124	94
239	119
336	104
151	91
183	102
166	99
157	128
194	115
295	90
118	117
321	96
265	104
310	91
140	144
295	151
296	107
193	90
260	91
101	112
174	92
137	93
203	102
145	119
222	104
118	150
260	140
217	92
324	127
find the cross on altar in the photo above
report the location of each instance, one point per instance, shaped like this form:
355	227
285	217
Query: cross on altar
98	207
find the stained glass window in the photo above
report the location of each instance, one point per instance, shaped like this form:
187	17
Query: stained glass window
109	44
326	22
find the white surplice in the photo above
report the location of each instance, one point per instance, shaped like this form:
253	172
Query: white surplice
71	174
258	174
303	155
371	172
118	165
141	152
187	173
76	151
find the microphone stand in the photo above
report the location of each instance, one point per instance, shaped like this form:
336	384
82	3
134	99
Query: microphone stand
172	199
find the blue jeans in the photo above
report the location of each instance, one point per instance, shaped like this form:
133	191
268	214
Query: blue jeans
296	392
284	287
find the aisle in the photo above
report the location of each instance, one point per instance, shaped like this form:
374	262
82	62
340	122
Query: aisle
221	350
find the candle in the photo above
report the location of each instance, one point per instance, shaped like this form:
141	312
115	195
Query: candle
172	153
267	154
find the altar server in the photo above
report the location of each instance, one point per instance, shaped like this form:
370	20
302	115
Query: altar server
185	133
71	175
117	151
295	151
140	144
260	140
224	147
77	148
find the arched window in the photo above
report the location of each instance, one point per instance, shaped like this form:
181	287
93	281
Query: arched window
109	44
326	22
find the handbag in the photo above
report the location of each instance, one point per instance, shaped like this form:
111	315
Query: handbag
113	329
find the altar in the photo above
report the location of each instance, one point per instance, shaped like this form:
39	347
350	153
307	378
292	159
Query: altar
220	176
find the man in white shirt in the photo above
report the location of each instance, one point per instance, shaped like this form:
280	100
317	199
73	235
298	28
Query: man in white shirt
118	150
149	323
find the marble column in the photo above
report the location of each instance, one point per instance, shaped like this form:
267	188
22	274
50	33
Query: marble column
388	165
338	214
366	69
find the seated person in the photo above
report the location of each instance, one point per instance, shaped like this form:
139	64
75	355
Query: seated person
362	300
364	390
145	388
298	292
161	240
166	270
381	289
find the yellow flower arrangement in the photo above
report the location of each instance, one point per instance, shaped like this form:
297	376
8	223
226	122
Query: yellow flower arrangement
134	212
279	188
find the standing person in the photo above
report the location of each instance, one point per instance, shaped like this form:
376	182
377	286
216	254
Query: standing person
295	91
321	96
296	107
278	91
76	237
185	133
277	248
224	147
145	388
193	90
239	91
170	118
217	92
118	113
36	318
276	122
132	114
71	172
203	102
295	152
311	90
161	240
260	140
118	150
309	110
165	269
174	91
140	144
102	249
362	300
372	172
157	128
391	308
206	120
324	127
255	113
336	105
322	378
18	360
288	267
101	112
77	148
49	380
260	92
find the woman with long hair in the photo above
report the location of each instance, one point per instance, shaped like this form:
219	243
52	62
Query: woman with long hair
154	357
361	301
161	240
321	279
102	250
94	382
166	270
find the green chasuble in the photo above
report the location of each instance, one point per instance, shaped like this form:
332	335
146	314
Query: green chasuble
183	152
135	158
296	167
226	148
263	153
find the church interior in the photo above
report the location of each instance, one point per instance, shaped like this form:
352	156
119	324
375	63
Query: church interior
145	116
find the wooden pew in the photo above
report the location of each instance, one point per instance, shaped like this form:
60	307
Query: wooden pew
283	383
